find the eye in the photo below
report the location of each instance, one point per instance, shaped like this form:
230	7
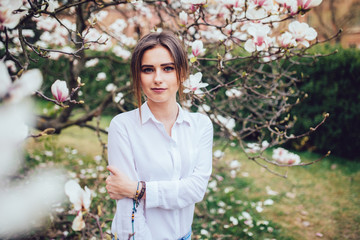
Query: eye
168	69
147	70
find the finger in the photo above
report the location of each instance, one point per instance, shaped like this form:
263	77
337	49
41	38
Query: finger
113	170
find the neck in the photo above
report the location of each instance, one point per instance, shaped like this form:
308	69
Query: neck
164	112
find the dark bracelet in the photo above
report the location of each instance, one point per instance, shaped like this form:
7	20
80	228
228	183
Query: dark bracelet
143	189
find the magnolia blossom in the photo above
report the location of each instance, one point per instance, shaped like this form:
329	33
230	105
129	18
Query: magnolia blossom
78	223
101	76
236	4
232	93
198	48
283	156
218	154
92	62
8	18
302	33
306	4
193	84
258	9
290	5
119	98
255	147
183	18
286	40
79	197
121	52
24	203
260	40
60	91
194	2
110	87
227	122
24	86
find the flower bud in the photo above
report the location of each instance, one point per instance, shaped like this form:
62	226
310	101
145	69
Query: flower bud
60	91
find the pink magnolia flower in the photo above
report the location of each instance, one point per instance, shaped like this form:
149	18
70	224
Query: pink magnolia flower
60	91
260	40
193	84
307	4
286	40
302	33
198	48
283	156
236	4
258	9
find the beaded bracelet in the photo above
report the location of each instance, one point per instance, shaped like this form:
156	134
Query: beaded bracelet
135	205
143	189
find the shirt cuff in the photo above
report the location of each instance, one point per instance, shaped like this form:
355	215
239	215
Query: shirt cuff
152	194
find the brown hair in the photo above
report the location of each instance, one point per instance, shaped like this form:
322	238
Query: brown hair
170	42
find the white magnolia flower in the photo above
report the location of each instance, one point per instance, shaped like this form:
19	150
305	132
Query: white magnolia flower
121	52
183	18
193	84
60	91
8	18
78	223
81	198
92	62
198	48
232	93
227	122
260	40
110	87
302	33
101	76
52	5
218	154
24	86
119	98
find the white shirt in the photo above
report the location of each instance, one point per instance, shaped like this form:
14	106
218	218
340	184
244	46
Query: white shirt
176	170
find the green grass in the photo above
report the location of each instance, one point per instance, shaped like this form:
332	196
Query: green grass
319	198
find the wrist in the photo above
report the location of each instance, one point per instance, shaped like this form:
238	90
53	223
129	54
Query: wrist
132	189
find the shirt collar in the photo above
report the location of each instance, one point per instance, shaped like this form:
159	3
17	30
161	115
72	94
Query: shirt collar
146	114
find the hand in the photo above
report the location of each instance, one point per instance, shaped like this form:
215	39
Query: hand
119	185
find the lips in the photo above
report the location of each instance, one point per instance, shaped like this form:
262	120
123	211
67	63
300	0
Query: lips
158	90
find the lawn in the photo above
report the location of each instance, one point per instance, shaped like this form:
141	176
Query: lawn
319	201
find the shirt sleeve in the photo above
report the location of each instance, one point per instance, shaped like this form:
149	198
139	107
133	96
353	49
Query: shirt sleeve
120	155
176	194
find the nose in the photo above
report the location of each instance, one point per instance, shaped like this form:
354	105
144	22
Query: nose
158	78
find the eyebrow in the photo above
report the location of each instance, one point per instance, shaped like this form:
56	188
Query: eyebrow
164	64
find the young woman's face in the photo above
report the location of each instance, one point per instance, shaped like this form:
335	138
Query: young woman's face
158	75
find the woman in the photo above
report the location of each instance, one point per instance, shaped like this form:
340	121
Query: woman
166	148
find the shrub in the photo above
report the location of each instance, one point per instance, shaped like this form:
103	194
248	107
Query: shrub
331	83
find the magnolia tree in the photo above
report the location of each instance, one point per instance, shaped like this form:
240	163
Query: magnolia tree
241	54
